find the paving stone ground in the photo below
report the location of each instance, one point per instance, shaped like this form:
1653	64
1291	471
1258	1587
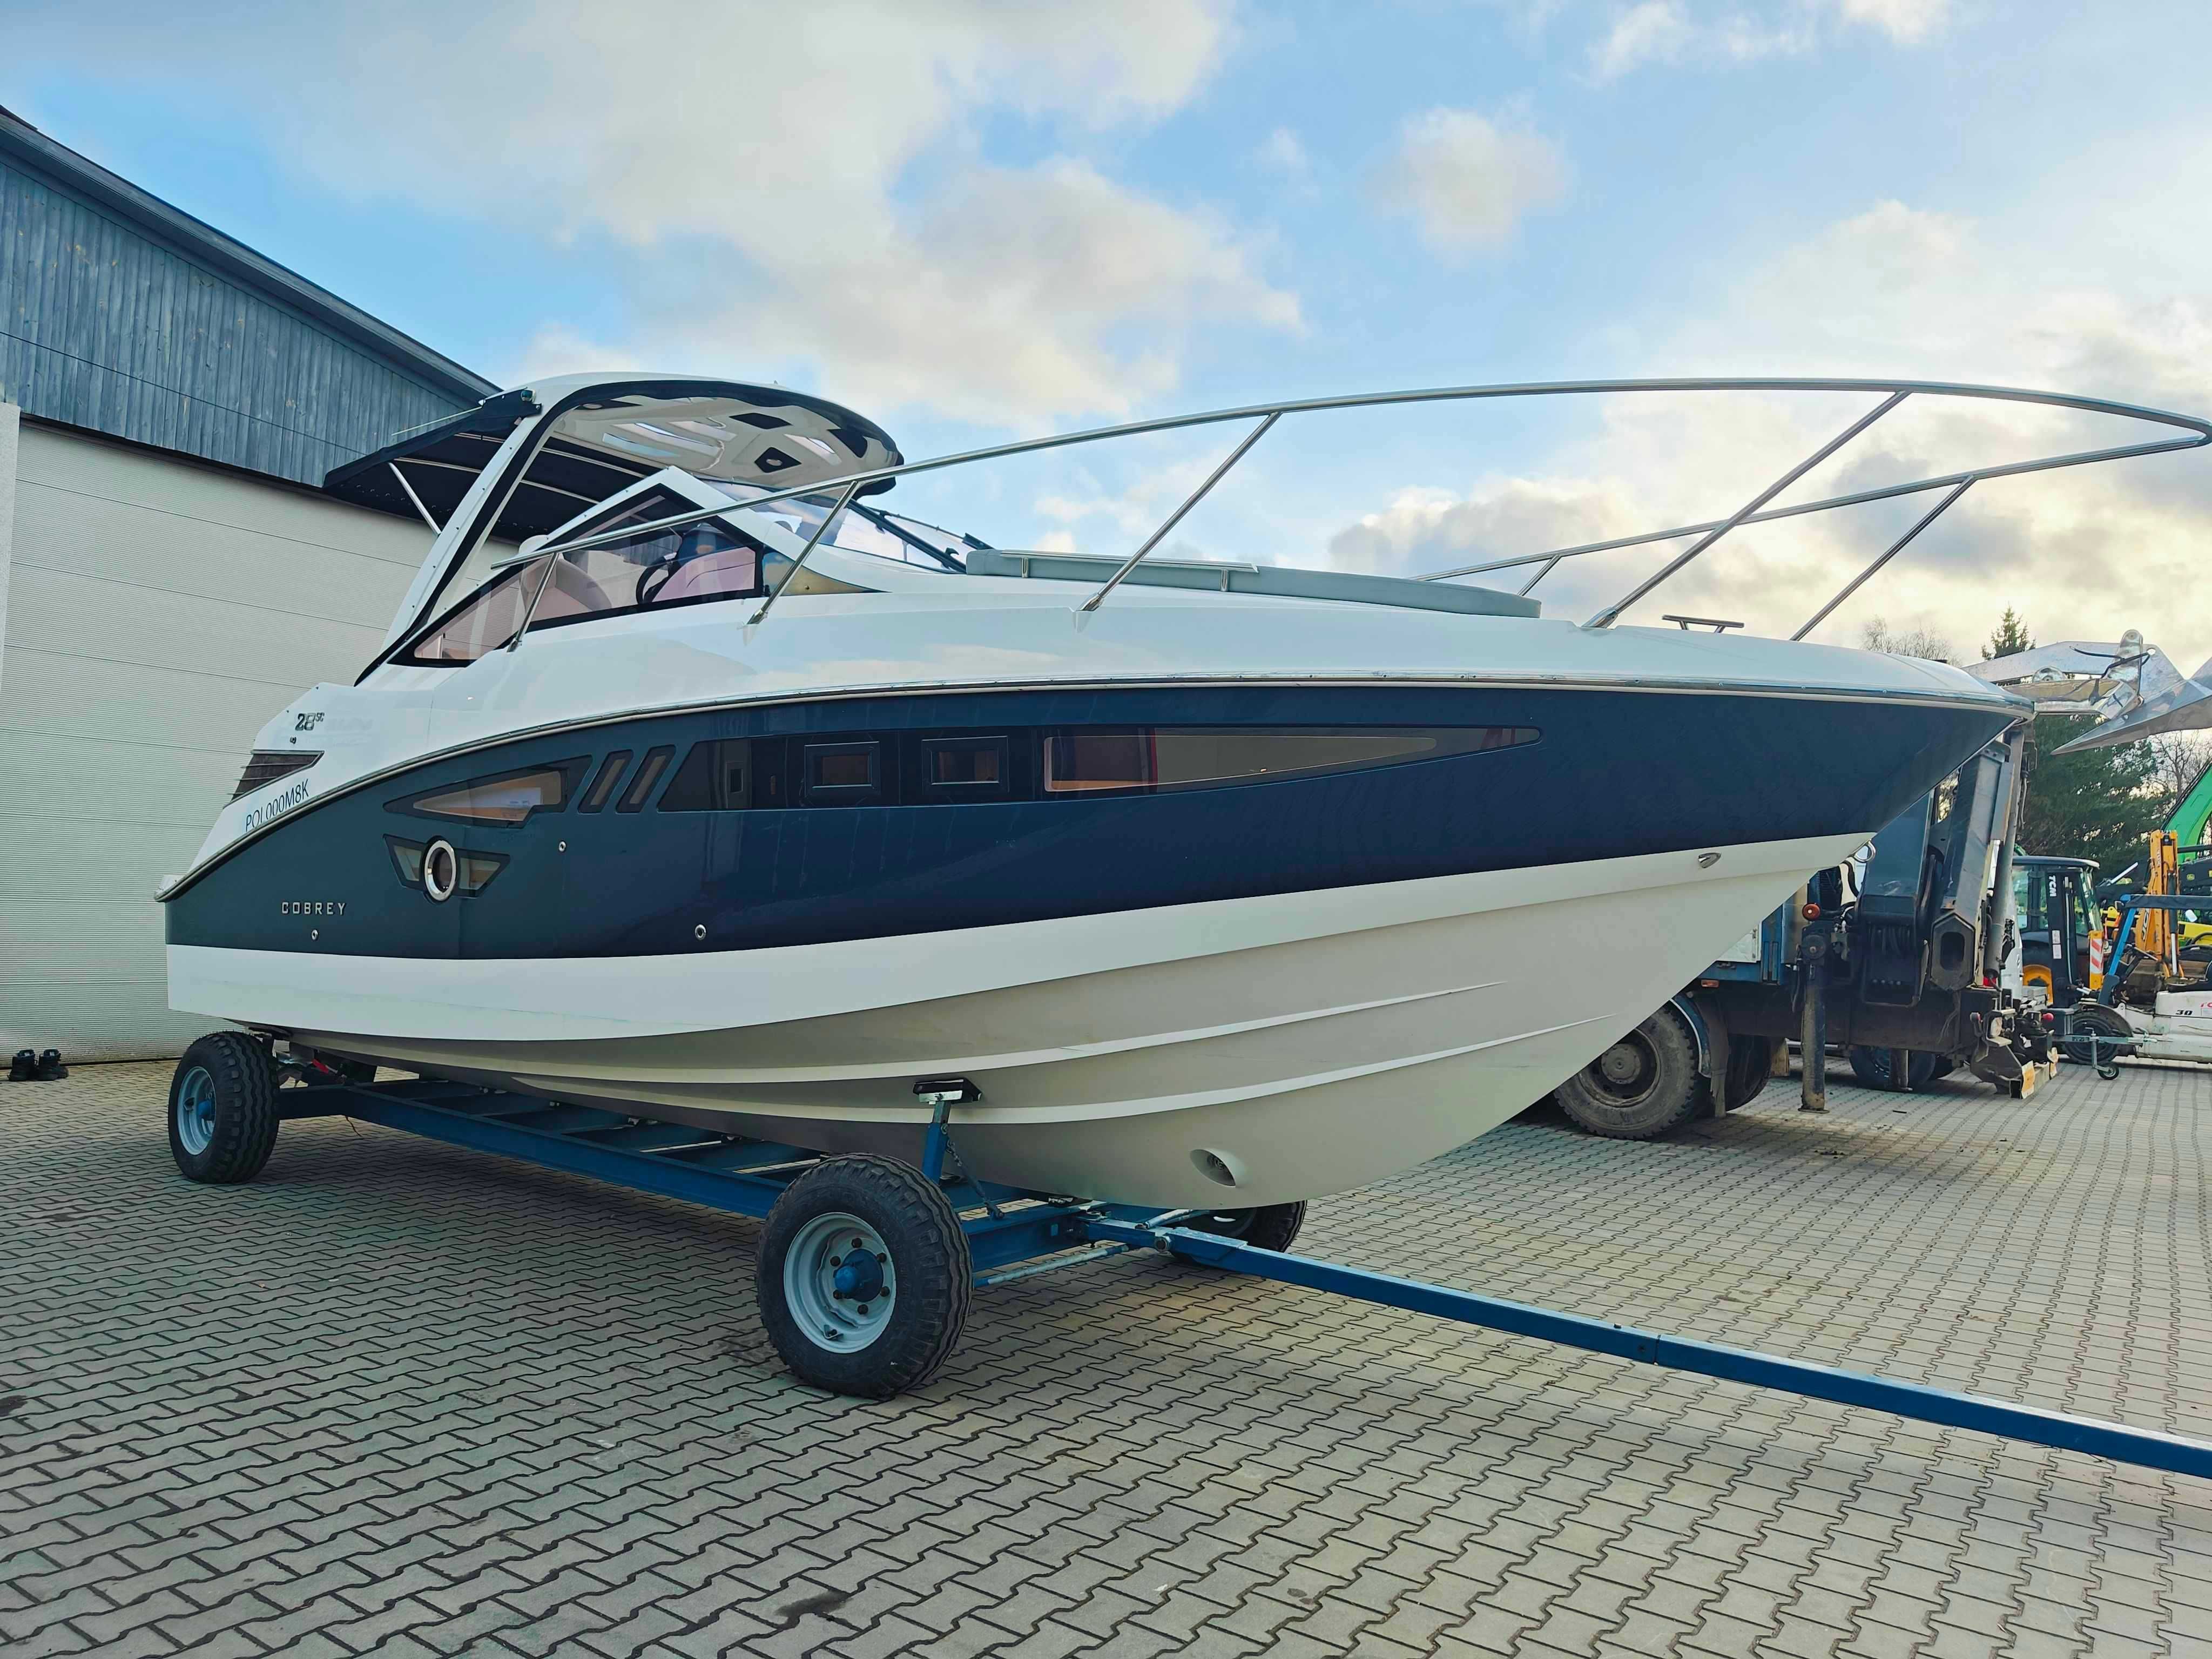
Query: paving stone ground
400	1399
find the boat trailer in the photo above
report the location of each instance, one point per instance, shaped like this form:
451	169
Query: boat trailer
857	1300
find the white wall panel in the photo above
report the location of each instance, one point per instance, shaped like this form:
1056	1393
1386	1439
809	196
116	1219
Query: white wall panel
154	614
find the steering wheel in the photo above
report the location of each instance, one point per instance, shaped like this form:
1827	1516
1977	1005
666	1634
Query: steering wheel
648	589
700	542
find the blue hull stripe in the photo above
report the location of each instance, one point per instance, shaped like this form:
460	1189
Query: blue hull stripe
1616	773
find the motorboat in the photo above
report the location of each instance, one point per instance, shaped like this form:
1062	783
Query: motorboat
694	782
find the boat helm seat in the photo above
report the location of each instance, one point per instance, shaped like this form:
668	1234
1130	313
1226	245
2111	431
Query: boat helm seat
571	592
728	571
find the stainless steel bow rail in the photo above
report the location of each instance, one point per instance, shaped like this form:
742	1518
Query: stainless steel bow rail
1004	1234
1757	510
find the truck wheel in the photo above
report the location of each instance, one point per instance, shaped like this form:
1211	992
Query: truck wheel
1644	1085
1750	1069
864	1277
1270	1227
222	1109
1872	1067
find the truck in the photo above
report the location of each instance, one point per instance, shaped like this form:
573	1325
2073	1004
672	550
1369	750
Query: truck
1896	956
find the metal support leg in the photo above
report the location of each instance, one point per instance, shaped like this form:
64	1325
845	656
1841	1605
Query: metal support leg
1901	1069
1812	1037
934	1143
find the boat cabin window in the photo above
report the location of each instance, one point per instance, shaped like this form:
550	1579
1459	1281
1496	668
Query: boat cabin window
610	774
967	769
648	773
938	768
505	798
1149	758
846	772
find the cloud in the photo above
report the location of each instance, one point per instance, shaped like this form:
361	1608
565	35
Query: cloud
1682	31
1908	22
1431	529
1467	179
1658	31
1282	152
811	188
1892	289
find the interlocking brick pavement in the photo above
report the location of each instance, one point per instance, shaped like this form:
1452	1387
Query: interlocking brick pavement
400	1398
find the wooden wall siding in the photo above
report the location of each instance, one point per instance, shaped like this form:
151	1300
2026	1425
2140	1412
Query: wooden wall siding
105	329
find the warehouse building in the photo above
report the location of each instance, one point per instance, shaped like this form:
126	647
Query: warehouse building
171	573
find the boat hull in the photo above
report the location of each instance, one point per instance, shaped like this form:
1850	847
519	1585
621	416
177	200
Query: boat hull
1299	1044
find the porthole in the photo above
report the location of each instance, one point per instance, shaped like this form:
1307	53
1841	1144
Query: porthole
441	870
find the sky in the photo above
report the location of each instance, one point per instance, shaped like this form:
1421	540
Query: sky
979	221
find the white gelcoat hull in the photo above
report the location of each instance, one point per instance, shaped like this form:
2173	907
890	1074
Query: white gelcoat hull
1311	1042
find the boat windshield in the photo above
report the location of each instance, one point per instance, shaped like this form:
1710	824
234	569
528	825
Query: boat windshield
746	553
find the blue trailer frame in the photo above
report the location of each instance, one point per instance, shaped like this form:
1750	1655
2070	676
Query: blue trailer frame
1013	1234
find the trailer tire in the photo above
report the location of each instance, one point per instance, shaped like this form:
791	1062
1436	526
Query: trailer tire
1270	1227
1872	1067
1750	1069
222	1109
841	1321
1642	1086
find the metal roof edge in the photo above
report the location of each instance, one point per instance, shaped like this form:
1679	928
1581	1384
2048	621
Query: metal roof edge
25	144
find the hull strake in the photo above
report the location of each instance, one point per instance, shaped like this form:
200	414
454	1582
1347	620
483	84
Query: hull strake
1313	1041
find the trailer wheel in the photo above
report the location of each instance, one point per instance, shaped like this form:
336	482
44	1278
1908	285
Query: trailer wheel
1270	1227
222	1109
864	1277
1644	1085
1872	1067
1750	1069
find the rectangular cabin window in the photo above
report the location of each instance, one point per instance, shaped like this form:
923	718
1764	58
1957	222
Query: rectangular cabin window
841	773
1076	762
1146	759
715	777
966	768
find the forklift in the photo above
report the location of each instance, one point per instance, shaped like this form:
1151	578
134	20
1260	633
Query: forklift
2126	1005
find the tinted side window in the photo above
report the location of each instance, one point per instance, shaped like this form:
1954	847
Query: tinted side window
504	798
1147	758
481	623
967	769
841	773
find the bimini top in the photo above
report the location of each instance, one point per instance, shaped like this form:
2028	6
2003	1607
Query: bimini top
613	431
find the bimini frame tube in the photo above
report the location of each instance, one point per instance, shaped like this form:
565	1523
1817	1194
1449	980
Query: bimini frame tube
2198	433
1888	553
1607	617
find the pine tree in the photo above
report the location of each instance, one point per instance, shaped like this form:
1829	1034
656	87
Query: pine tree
2011	638
2100	804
